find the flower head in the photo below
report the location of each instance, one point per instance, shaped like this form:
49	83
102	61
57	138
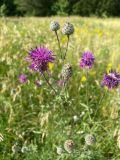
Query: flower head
54	26
23	78
40	58
67	72
68	29
90	139
69	145
111	80
87	60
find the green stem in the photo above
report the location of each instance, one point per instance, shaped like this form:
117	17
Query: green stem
58	43
100	101
87	87
87	100
49	83
66	47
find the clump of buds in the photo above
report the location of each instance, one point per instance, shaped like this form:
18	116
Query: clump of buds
67	72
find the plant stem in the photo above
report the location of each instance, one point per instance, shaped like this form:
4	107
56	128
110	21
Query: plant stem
100	101
87	86
58	43
49	83
87	100
66	47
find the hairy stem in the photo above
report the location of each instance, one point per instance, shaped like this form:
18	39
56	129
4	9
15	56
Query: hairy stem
87	96
58	43
66	47
100	101
49	83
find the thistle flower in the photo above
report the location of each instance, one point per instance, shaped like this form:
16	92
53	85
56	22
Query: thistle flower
69	146
23	78
68	29
87	60
111	80
40	58
90	139
54	26
66	72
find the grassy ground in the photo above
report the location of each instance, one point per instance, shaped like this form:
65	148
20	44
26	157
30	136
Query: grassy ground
33	122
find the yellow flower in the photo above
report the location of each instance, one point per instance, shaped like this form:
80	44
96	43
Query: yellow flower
64	39
109	67
83	79
50	66
92	73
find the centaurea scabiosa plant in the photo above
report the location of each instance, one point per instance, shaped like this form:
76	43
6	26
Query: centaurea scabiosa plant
86	63
110	81
40	58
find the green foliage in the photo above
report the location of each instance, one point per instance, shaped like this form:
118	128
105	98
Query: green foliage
61	7
3	10
9	7
35	7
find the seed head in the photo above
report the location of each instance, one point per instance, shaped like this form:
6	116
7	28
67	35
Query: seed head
68	29
69	146
90	139
54	26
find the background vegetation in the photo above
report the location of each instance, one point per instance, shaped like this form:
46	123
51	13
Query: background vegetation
60	7
33	122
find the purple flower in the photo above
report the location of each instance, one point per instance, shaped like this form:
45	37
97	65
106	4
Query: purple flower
60	83
23	78
111	80
40	58
87	60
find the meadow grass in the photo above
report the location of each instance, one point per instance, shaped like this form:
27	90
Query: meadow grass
32	118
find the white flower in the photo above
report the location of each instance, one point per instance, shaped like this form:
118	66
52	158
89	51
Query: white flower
75	118
59	150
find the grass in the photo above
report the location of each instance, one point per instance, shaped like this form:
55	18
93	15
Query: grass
33	117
